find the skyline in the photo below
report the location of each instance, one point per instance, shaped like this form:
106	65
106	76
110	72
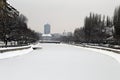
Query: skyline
62	14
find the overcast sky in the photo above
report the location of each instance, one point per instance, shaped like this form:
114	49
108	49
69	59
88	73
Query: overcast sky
61	14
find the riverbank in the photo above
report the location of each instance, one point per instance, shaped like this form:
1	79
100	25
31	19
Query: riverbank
114	53
14	51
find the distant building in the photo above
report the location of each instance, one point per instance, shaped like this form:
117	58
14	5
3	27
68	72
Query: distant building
56	36
47	32
47	29
46	37
64	33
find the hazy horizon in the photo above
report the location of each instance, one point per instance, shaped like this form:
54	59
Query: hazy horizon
62	14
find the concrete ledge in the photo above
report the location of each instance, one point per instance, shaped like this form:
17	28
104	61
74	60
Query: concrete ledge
104	48
14	49
99	47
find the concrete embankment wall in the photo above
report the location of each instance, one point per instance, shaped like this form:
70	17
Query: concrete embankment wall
8	49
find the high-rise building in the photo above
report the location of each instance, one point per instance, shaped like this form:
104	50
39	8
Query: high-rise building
47	29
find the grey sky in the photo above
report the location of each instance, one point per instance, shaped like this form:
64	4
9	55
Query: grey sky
61	14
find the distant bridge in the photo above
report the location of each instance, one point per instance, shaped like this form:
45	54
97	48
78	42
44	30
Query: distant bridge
49	41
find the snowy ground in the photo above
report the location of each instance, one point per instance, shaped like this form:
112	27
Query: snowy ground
60	62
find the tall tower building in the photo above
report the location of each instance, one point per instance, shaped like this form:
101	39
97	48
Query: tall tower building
47	29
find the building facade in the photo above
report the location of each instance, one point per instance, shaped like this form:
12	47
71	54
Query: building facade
46	36
47	29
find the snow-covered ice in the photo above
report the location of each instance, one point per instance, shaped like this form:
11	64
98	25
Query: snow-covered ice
60	62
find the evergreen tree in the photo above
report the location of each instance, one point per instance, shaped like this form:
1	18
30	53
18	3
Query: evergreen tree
116	22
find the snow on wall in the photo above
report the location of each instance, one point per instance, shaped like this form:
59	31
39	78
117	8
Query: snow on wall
10	54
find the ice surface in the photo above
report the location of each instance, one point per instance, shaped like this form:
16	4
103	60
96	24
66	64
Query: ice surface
60	62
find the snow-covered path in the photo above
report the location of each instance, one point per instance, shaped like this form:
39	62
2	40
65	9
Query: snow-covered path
60	62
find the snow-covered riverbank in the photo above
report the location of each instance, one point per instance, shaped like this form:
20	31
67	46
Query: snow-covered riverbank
102	50
14	51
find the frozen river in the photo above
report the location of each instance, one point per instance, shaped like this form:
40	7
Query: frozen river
60	62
